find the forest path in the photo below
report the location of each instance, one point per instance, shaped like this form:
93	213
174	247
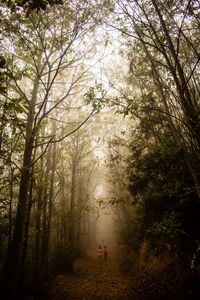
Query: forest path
93	279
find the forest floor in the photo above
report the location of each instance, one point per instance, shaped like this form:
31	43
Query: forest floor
93	279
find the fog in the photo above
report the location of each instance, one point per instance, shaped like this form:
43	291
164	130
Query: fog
106	234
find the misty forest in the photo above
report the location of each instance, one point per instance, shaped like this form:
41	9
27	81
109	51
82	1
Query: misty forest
99	149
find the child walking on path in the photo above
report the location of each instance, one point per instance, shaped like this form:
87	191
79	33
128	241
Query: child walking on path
99	253
105	253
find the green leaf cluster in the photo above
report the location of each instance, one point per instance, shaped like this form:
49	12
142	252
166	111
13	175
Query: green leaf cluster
162	190
95	97
32	4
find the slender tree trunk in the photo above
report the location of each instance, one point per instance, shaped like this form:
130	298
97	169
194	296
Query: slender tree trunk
49	213
72	209
36	269
45	199
14	253
79	215
65	203
26	233
43	234
10	208
3	123
50	208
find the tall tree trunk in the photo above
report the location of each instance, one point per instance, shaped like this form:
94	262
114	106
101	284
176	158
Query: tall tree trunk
49	213
26	233
3	123
36	268
72	209
45	214
10	207
51	198
14	253
64	207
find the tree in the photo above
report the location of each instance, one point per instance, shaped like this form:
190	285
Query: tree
43	51
162	191
166	37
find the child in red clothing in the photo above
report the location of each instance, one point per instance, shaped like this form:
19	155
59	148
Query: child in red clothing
99	252
105	253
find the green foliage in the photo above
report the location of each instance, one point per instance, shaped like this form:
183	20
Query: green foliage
168	230
32	4
169	226
159	171
95	97
161	186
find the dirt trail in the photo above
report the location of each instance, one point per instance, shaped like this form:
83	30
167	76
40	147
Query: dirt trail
93	279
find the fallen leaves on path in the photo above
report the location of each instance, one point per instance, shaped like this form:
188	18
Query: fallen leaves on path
93	279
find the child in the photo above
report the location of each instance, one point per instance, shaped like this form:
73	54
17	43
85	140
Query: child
99	252
105	253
